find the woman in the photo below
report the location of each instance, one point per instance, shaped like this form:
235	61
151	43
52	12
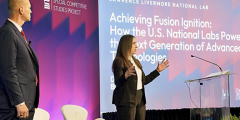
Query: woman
129	78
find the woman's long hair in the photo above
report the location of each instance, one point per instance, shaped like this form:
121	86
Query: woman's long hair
123	50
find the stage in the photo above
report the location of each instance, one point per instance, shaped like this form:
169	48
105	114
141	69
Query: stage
173	114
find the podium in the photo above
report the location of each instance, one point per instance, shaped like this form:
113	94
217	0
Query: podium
210	97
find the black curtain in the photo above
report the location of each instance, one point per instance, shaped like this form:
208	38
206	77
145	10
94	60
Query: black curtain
235	111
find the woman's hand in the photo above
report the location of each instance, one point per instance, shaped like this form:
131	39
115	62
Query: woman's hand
131	71
163	65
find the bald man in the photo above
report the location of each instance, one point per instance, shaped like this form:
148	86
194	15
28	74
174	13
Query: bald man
19	69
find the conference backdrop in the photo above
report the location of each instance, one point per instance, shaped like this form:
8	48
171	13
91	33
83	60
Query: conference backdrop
64	35
175	30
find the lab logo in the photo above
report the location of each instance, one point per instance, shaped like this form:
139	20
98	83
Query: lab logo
46	4
237	93
223	95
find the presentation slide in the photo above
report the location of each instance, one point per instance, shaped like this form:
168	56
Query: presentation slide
64	36
175	30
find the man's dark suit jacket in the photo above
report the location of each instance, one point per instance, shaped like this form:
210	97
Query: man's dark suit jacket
18	70
125	91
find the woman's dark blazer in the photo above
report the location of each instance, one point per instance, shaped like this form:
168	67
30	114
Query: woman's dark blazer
125	91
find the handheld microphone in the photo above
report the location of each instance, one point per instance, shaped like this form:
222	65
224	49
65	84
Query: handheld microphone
208	61
29	42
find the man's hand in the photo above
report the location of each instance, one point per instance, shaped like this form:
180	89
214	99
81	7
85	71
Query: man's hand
22	111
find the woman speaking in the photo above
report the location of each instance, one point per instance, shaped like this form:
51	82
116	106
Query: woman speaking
129	78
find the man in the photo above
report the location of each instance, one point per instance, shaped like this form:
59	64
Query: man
19	70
